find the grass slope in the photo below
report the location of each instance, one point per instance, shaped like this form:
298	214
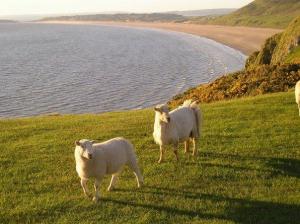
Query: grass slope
259	13
248	169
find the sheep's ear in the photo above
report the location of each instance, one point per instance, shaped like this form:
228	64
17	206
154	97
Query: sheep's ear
157	109
77	143
93	141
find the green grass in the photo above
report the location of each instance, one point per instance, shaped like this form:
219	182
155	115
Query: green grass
247	171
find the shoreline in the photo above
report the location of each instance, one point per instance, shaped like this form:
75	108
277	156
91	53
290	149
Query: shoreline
245	39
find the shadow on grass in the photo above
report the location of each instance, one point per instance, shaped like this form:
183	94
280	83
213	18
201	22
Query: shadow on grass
278	166
239	210
171	211
289	167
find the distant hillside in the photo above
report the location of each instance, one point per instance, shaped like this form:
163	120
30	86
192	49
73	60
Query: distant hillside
122	17
259	13
203	12
7	21
276	68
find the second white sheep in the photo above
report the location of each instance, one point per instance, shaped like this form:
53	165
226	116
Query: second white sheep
297	94
179	125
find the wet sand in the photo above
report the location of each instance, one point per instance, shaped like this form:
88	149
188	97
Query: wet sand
245	39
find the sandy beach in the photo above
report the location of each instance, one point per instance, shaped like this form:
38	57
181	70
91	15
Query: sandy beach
245	39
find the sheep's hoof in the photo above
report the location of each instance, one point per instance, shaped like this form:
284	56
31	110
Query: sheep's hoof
110	188
88	195
160	161
95	199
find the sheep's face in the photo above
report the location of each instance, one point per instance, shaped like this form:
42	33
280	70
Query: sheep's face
86	148
163	113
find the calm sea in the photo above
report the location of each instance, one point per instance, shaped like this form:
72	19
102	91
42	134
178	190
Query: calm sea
46	68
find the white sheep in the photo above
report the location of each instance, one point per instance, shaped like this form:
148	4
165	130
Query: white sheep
180	125
98	159
297	94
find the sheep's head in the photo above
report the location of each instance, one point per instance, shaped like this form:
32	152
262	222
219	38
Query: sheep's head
85	148
163	112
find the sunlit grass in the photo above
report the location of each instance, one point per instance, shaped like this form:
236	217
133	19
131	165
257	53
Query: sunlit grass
247	171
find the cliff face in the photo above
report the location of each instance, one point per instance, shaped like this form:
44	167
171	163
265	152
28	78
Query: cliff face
287	44
278	49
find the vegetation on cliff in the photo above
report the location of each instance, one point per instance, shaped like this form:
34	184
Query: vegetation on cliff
260	80
275	68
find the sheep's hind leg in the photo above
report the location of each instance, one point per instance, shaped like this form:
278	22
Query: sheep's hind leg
194	147
176	151
136	170
97	186
84	187
113	181
161	154
187	146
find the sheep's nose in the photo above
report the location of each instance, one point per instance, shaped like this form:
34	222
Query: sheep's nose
90	156
168	119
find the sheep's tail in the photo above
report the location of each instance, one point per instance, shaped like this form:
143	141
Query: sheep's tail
187	103
197	112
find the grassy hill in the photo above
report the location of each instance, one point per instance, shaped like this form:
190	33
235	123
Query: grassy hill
122	17
259	13
247	170
275	68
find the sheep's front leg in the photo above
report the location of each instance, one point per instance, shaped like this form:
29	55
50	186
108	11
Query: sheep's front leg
113	181
97	186
161	154
84	187
194	147
187	146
